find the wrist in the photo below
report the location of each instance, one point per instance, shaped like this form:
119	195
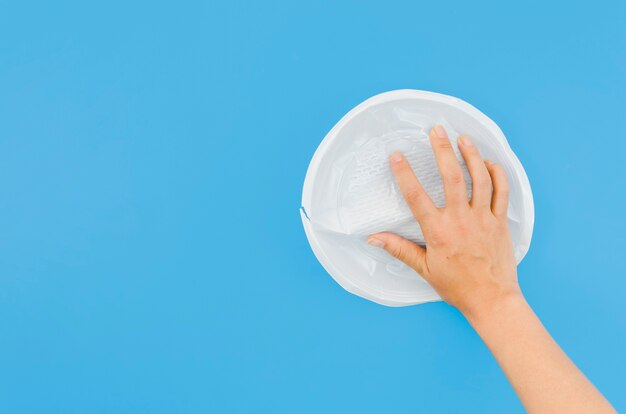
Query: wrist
491	306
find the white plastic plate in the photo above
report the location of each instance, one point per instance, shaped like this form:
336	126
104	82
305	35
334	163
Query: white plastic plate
349	191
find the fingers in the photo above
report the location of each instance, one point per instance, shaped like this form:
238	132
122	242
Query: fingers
405	250
481	181
500	197
416	197
449	167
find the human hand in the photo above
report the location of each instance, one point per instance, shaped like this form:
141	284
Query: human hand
469	257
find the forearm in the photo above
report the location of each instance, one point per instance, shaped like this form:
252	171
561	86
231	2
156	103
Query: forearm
543	377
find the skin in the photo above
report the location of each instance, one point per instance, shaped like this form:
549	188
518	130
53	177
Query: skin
469	261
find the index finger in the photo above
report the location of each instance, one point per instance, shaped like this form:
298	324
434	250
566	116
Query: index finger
416	197
449	167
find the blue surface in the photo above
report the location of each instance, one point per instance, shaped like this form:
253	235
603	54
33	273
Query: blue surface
152	257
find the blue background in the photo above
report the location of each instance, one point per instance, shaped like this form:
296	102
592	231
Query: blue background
152	257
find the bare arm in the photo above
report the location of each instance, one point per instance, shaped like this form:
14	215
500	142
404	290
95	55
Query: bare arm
469	261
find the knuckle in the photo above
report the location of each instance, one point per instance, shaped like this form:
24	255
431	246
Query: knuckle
398	169
485	219
472	151
400	251
443	144
501	173
401	165
413	195
436	238
403	169
494	170
481	181
455	177
463	226
392	249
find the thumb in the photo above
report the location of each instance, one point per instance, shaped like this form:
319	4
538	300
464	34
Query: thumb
405	250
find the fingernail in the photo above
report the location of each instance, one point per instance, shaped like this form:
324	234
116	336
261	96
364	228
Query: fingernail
396	157
465	141
373	241
440	131
487	162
